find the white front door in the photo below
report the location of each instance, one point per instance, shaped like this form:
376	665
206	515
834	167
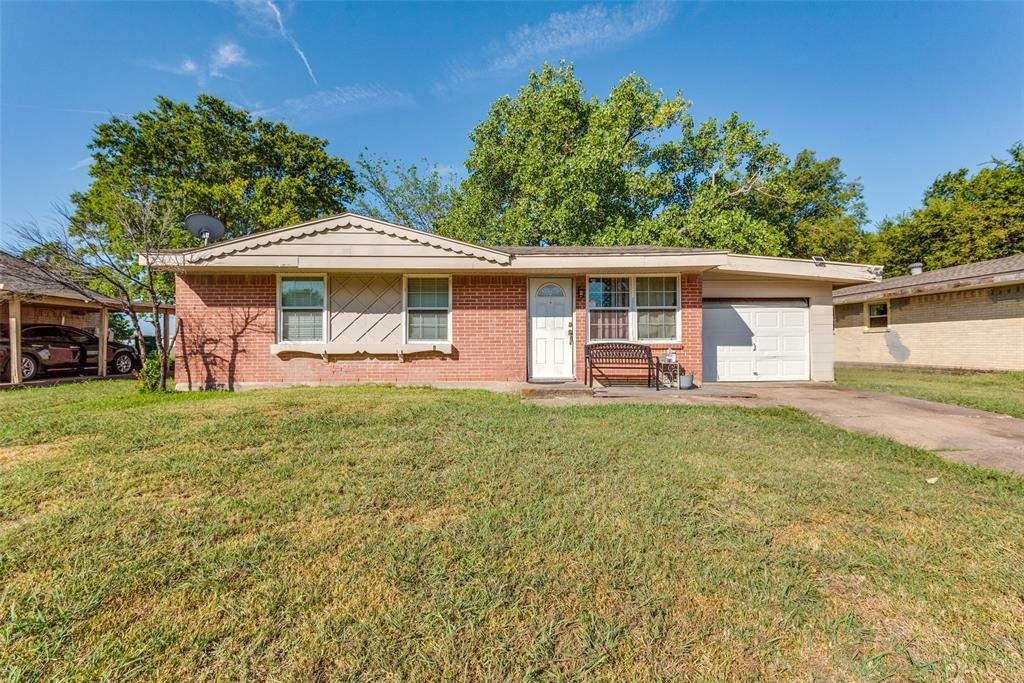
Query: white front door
755	341
551	342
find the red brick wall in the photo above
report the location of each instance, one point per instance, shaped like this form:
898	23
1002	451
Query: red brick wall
689	351
228	322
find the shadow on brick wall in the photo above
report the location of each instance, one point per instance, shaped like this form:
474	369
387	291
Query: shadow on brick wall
212	350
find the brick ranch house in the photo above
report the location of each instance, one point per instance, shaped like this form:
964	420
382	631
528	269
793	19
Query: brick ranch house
965	317
354	299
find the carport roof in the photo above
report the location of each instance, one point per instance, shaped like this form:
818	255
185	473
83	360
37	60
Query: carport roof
22	278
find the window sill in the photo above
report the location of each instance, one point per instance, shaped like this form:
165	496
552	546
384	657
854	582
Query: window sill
876	330
346	349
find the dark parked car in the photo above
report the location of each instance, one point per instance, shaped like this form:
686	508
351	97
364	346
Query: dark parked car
56	347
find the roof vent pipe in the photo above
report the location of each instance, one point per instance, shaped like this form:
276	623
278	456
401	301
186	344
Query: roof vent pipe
916	268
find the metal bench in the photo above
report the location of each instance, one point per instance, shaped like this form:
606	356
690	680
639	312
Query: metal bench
617	356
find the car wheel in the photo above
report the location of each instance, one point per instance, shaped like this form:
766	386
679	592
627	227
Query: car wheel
123	363
29	368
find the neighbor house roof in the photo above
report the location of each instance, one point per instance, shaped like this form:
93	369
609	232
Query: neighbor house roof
360	243
25	280
998	271
22	278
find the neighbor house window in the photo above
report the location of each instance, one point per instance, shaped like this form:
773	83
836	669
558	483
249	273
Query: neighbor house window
427	308
608	304
657	300
878	316
302	309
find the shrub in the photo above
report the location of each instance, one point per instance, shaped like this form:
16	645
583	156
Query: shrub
149	374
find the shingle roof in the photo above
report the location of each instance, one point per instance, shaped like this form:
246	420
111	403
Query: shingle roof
21	277
1009	269
593	251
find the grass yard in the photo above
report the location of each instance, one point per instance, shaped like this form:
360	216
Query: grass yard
373	533
998	392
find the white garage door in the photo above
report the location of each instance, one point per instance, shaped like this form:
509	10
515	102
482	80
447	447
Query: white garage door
755	341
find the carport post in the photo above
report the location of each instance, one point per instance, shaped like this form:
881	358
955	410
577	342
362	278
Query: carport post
101	359
14	324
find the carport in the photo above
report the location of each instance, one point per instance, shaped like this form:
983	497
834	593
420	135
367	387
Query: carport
29	295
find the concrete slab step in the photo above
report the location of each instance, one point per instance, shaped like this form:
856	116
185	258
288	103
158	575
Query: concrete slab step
556	390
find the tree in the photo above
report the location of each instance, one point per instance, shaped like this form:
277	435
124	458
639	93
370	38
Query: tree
149	171
84	257
963	218
551	165
210	157
403	194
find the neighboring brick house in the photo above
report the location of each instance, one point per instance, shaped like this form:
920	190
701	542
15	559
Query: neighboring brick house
354	299
969	317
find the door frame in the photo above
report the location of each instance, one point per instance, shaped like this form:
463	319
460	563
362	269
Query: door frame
571	293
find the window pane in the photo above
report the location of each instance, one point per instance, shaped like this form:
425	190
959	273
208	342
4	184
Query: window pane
653	324
608	292
302	292
300	326
878	309
428	325
656	291
605	325
551	290
428	292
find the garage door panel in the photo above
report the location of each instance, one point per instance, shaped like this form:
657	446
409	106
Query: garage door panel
792	344
756	341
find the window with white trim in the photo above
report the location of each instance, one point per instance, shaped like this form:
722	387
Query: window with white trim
302	308
427	308
877	316
657	301
635	308
608	308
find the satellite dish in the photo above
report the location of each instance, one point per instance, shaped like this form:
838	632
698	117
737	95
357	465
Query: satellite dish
206	228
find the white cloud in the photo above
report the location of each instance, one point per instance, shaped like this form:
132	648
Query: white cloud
347	99
589	28
227	56
82	163
186	67
266	15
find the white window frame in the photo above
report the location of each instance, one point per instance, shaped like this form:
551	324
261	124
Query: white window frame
405	308
868	316
327	297
634	332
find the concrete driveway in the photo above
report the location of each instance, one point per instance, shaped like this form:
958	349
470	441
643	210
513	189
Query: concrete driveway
961	434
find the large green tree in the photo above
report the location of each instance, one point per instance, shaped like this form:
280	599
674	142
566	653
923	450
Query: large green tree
211	157
963	218
555	166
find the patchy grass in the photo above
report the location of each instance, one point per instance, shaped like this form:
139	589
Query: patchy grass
997	392
372	533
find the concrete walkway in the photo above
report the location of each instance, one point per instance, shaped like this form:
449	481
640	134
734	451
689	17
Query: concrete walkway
961	434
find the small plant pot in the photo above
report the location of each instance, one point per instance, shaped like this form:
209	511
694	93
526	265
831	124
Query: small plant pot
686	380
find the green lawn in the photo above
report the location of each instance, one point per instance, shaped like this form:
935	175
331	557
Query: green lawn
373	533
998	392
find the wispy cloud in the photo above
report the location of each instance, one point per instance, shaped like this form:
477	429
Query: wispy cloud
227	55
267	15
82	163
589	28
347	99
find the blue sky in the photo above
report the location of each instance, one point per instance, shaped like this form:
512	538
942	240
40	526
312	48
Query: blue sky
900	92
